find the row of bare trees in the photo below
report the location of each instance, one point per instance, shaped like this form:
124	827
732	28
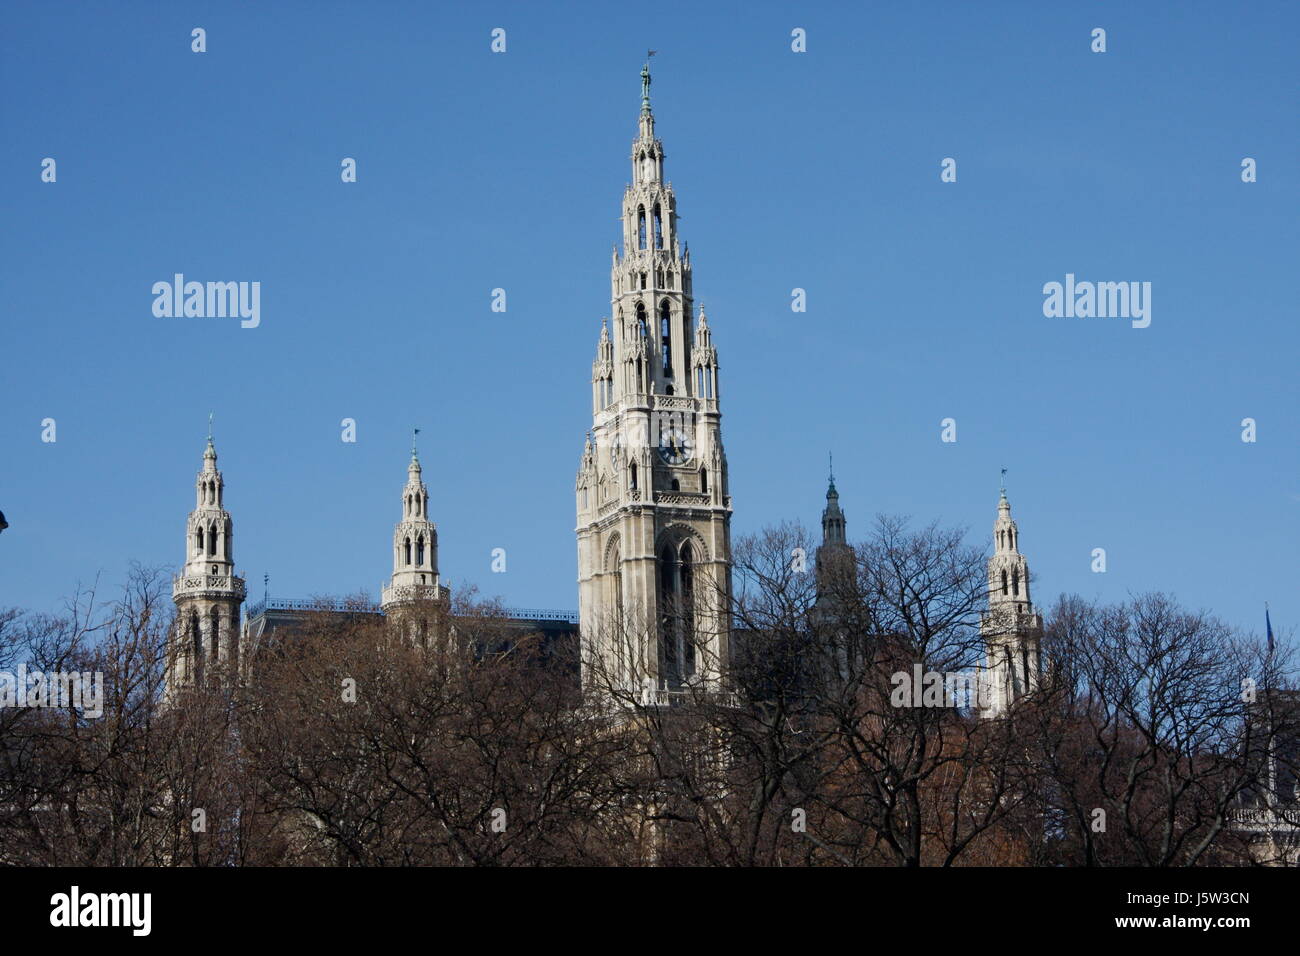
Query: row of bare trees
348	745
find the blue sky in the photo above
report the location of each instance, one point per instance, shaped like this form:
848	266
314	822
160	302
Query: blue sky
817	170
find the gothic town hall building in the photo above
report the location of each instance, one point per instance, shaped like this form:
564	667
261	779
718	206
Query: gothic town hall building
653	506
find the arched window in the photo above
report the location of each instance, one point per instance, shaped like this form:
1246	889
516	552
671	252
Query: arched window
640	233
668	611
214	633
669	283
665	335
641	320
196	642
617	598
677	486
419	551
659	229
704	480
1015	582
686	605
198	541
632	476
212	540
406	552
1004	582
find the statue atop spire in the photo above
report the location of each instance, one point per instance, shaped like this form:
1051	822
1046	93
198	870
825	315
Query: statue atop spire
645	82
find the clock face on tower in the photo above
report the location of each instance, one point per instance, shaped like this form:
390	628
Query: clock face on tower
675	446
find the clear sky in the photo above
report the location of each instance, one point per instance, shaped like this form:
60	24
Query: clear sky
816	170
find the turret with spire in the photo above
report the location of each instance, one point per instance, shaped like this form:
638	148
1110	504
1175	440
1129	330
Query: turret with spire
207	592
834	557
414	596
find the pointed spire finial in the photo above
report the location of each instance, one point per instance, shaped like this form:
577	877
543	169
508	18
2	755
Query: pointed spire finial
1004	482
209	453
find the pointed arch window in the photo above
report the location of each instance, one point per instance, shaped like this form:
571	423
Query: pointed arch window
1015	583
640	230
406	554
214	637
704	480
212	541
1004	582
632	476
659	229
419	551
667	613
686	603
665	335
198	541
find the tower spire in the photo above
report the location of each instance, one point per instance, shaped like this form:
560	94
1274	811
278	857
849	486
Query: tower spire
207	592
832	517
414	593
835	563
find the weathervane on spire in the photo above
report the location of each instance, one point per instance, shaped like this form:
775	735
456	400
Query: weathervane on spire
1004	481
209	426
830	460
414	432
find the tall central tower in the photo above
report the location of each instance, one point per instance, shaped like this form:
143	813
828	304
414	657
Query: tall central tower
654	512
